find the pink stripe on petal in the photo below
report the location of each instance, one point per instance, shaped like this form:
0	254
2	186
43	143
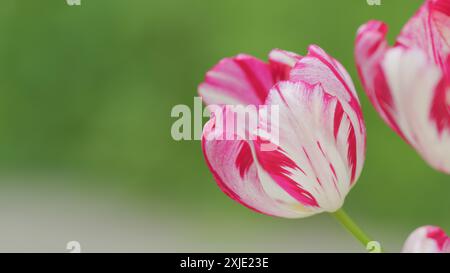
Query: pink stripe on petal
382	98
241	80
429	30
427	239
282	63
439	236
277	164
442	6
260	83
209	129
319	68
245	79
339	113
237	174
316	52
244	159
316	157
371	47
352	150
440	109
415	82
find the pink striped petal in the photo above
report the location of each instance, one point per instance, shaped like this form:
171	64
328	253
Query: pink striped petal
371	47
241	80
429	30
239	176
427	239
416	87
409	84
282	63
440	109
245	80
317	150
320	68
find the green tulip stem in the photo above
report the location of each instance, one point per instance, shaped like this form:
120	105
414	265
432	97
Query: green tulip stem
352	227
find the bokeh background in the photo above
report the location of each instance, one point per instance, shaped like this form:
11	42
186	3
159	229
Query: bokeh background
86	152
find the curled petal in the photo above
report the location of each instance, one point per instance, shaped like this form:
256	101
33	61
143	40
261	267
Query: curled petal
427	239
240	80
245	80
317	153
371	48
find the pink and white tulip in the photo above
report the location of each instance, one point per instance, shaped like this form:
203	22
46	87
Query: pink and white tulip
427	239
409	83
320	151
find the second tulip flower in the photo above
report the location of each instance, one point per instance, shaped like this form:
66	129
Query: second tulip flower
409	84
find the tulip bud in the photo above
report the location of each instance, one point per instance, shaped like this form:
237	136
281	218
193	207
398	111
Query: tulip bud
427	239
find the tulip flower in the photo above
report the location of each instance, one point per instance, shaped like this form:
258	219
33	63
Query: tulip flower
427	239
409	83
320	148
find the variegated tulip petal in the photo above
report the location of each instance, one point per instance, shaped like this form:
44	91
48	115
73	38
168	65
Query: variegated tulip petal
371	47
241	80
320	68
245	80
230	159
316	153
414	83
282	62
440	109
427	239
429	30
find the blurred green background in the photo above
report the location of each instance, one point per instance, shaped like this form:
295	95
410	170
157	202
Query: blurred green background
85	147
